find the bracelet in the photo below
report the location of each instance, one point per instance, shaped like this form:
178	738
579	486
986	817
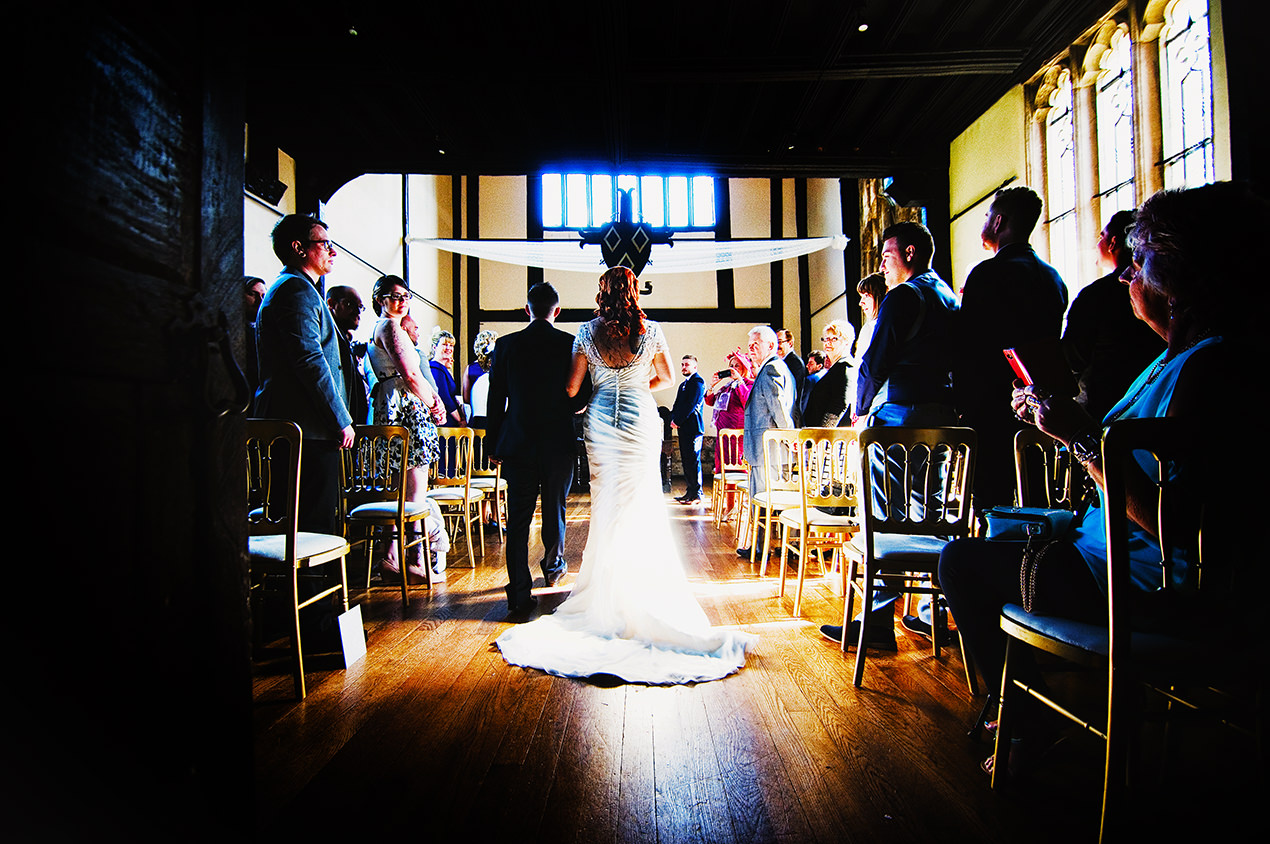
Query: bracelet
1086	448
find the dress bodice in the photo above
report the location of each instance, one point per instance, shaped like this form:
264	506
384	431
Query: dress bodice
637	373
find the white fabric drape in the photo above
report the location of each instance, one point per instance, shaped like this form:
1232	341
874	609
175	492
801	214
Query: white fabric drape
684	256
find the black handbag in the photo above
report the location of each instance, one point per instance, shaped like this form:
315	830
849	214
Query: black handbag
1043	529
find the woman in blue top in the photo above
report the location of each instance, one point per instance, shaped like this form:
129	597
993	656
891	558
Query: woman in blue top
1193	289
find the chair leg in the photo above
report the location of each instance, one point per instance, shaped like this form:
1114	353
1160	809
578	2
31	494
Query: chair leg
1005	715
866	601
848	602
972	682
780	593
297	651
401	564
767	543
804	558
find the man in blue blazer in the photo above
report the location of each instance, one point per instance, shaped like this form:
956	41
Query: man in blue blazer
301	379
686	415
530	424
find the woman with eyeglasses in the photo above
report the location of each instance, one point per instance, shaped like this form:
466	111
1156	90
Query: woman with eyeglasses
829	397
402	396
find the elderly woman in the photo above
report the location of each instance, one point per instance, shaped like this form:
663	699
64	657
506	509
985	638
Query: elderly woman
829	396
442	362
1191	294
727	394
402	396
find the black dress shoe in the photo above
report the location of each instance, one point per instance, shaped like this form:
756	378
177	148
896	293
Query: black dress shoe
689	501
881	635
914	624
520	612
743	552
552	578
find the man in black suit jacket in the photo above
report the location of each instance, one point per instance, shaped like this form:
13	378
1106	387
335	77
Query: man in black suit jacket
531	427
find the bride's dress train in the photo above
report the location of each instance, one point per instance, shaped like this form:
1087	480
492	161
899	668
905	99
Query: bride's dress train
631	613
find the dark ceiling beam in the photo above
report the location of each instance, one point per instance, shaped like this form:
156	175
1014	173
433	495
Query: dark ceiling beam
891	66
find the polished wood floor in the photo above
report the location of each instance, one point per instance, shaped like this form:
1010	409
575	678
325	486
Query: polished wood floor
433	736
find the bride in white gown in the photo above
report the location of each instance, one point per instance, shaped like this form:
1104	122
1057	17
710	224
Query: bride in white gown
632	613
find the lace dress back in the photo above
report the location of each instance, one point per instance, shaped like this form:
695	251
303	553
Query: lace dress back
631	613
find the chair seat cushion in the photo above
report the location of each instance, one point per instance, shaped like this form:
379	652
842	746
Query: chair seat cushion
453	494
1079	634
379	510
793	517
488	483
310	548
901	550
733	477
1148	648
781	499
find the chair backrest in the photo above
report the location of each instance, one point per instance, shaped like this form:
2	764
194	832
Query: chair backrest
374	469
273	479
780	449
827	477
453	466
1189	505
1043	471
481	467
916	481
731	453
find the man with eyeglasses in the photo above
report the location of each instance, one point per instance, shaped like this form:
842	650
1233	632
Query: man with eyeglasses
301	377
346	308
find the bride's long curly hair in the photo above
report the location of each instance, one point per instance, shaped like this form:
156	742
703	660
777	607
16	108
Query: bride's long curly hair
619	310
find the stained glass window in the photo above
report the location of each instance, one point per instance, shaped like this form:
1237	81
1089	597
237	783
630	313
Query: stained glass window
1060	171
1114	109
584	201
1187	95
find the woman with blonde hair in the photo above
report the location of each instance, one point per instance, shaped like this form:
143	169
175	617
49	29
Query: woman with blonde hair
632	612
830	396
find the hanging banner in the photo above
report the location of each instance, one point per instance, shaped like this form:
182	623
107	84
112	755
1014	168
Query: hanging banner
684	256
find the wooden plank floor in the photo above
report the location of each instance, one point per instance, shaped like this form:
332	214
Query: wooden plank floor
433	735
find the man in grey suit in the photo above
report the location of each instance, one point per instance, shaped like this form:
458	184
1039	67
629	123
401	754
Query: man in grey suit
770	405
301	378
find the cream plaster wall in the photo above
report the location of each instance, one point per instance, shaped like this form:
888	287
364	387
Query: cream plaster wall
749	203
828	270
992	150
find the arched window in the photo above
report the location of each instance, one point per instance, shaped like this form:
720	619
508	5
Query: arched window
1113	107
1060	177
1186	78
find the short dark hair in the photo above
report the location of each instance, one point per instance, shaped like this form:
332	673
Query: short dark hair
289	229
340	293
1021	206
909	233
874	284
250	281
816	355
542	299
1118	227
383	286
692	358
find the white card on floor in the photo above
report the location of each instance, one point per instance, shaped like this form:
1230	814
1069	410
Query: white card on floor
352	636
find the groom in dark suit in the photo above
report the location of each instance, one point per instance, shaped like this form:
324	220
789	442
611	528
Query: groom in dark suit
531	427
